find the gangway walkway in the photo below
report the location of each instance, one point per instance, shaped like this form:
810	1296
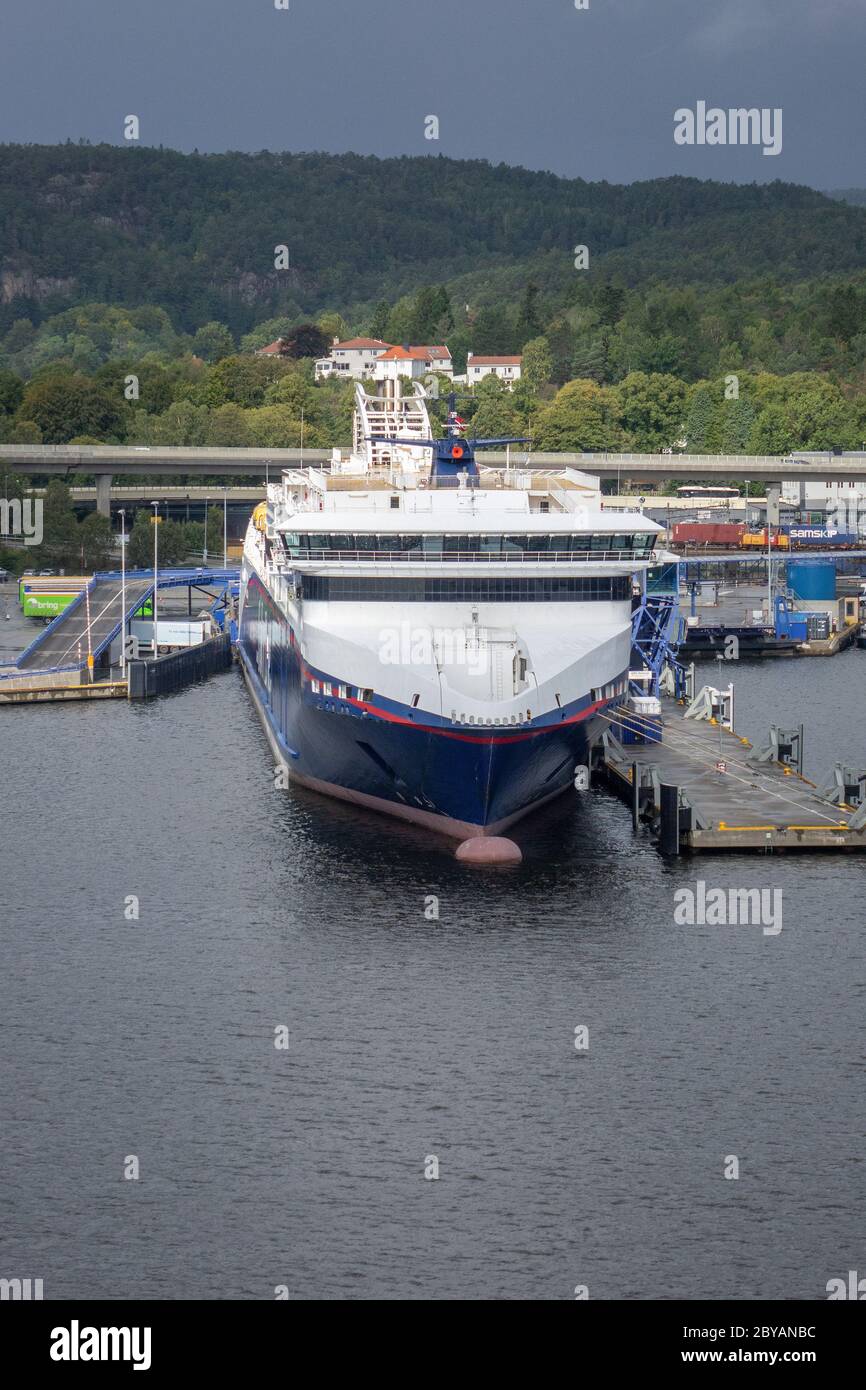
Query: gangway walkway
94	619
67	642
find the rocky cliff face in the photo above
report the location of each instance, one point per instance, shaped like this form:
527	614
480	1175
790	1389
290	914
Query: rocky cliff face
24	284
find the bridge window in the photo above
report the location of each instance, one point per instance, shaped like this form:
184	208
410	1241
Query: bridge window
300	544
547	589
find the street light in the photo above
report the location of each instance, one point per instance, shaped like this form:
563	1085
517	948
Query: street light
225	528
122	514
155	506
206	506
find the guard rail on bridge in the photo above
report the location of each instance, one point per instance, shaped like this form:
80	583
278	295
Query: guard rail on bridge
104	460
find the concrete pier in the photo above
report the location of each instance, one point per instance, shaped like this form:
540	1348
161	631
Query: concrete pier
726	801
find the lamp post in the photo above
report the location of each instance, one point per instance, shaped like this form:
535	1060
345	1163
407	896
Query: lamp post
122	515
206	505
155	506
225	528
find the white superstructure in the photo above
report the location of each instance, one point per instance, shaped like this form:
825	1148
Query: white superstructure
499	600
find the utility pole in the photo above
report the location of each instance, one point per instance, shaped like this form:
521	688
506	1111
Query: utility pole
122	515
155	506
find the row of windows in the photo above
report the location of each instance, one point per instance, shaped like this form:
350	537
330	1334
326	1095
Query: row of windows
299	544
511	590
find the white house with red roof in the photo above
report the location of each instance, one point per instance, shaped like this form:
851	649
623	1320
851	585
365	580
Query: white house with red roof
478	366
413	362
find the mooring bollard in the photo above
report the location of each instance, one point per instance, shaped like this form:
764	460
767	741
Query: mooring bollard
670	819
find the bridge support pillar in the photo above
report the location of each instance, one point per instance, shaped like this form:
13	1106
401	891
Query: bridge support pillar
103	494
774	497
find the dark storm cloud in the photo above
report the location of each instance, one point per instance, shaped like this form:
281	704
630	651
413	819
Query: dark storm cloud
582	92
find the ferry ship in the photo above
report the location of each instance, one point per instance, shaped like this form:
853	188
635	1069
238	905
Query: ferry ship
431	638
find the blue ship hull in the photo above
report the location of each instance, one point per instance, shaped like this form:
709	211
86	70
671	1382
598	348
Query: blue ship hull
400	760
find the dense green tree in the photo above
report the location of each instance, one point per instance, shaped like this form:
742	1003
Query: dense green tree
493	332
771	432
431	316
591	360
11	392
277	427
60	543
227	428
401	321
379	321
66	405
19	431
610	303
95	542
494	416
582	417
20	337
738	418
215	533
651	409
333	325
703	427
528	316
846	312
212	342
561	339
172	543
183	424
243	381
139	547
537	368
144	385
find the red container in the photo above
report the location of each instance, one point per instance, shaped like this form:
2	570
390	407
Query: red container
707	533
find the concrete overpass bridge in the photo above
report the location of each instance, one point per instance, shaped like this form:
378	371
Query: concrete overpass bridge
105	461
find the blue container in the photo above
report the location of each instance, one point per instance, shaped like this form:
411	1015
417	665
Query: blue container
812	580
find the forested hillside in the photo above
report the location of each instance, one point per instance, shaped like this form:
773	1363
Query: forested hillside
855	196
196	234
711	316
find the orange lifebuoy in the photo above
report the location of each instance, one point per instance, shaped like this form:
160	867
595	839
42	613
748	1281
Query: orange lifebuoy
457	451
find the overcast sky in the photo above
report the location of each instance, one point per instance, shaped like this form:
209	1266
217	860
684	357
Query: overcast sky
535	82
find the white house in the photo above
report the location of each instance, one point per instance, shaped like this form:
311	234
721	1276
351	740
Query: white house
508	369
843	502
413	362
351	360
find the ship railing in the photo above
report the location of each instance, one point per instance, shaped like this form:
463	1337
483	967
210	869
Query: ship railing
493	557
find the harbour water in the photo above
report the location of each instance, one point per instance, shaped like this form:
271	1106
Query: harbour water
410	1035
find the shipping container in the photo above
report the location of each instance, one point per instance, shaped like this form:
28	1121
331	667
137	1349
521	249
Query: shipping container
827	536
716	533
